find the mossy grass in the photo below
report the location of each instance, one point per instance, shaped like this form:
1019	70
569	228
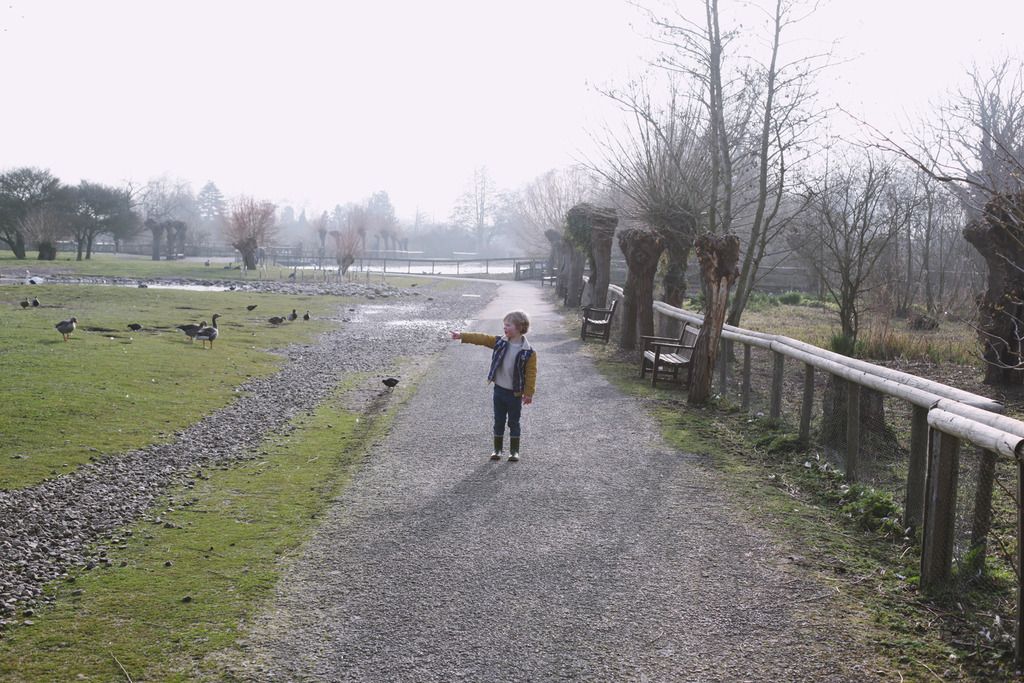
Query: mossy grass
849	537
180	588
109	389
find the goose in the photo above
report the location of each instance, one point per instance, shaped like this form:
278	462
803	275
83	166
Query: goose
66	327
134	327
275	320
293	316
208	334
35	302
190	329
305	316
25	304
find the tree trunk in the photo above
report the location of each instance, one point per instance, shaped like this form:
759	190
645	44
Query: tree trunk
47	251
248	248
157	229
674	281
562	288
80	248
999	237
19	246
718	256
602	239
642	250
574	291
593	229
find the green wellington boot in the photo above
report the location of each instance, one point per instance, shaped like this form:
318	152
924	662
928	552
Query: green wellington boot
498	446
513	449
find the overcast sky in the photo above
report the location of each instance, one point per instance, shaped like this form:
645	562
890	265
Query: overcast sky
315	103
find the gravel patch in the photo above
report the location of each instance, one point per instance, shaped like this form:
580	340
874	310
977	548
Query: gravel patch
62	523
603	555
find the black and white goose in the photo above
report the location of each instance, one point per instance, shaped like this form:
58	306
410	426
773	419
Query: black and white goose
208	334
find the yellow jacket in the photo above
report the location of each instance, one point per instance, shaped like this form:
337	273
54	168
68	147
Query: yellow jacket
524	375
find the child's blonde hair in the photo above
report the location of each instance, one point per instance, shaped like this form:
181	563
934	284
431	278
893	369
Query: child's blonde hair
519	319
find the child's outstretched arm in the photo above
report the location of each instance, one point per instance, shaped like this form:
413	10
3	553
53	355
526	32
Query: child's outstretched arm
456	334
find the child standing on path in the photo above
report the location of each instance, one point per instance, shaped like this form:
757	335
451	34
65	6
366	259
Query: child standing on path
514	373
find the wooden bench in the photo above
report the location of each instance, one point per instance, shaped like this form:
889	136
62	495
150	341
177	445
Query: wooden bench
666	357
548	280
597	322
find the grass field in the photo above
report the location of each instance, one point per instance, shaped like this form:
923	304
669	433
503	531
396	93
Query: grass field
171	597
108	389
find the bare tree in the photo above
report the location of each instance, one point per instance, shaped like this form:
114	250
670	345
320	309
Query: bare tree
251	225
46	225
849	224
474	209
546	200
659	165
976	147
759	113
345	242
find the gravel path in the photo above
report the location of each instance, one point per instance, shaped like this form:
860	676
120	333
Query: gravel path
602	555
47	529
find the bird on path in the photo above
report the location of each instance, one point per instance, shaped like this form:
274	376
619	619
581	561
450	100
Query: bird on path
66	327
390	383
293	316
35	302
143	285
25	304
305	316
134	327
251	307
190	329
275	320
208	334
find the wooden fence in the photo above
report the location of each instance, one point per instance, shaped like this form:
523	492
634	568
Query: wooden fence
942	419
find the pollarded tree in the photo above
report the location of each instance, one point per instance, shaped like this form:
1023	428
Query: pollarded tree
718	256
22	191
642	249
380	218
592	229
161	201
251	225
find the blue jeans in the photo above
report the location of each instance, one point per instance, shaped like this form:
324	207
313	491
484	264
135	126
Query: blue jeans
507	406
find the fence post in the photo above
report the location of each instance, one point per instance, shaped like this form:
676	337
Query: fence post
982	522
1019	644
852	430
808	404
939	521
745	395
917	467
778	370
